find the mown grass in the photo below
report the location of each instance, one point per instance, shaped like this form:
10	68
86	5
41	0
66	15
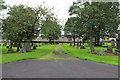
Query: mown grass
56	56
11	57
85	55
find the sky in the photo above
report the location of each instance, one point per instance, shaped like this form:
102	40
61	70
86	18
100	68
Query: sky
61	7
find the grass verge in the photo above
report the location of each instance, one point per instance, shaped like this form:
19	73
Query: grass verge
41	51
85	55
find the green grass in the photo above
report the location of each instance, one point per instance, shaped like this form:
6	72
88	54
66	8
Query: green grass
11	57
85	55
54	56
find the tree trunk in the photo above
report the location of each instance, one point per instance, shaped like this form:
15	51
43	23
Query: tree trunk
97	40
91	44
74	41
18	47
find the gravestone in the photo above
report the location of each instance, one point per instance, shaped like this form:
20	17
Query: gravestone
109	49
94	52
82	47
23	49
102	52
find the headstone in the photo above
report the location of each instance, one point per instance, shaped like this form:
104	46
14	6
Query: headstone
109	49
27	46
0	45
102	52
94	52
82	47
23	49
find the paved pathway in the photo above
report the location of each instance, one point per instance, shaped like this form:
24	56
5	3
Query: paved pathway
59	69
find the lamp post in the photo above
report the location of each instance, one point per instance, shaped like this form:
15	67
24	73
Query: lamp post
118	41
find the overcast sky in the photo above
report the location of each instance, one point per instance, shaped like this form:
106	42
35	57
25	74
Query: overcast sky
61	7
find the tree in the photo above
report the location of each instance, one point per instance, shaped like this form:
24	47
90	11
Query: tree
71	29
23	24
51	29
98	18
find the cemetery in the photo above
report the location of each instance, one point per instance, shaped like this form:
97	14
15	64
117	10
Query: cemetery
76	41
88	39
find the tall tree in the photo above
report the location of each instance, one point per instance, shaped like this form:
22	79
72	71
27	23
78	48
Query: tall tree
51	29
23	23
72	29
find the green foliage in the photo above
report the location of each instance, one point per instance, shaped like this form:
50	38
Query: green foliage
71	28
21	24
2	6
51	29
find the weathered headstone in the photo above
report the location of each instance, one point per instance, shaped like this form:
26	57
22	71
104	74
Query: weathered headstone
27	46
109	49
82	47
102	52
94	52
23	49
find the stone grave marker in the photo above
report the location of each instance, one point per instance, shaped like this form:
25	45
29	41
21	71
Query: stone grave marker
102	52
109	49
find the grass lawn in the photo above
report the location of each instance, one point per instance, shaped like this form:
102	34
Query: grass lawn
11	57
85	55
56	56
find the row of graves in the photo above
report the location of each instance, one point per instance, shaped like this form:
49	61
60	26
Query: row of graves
33	46
109	49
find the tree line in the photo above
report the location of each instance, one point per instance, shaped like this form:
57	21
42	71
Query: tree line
92	21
